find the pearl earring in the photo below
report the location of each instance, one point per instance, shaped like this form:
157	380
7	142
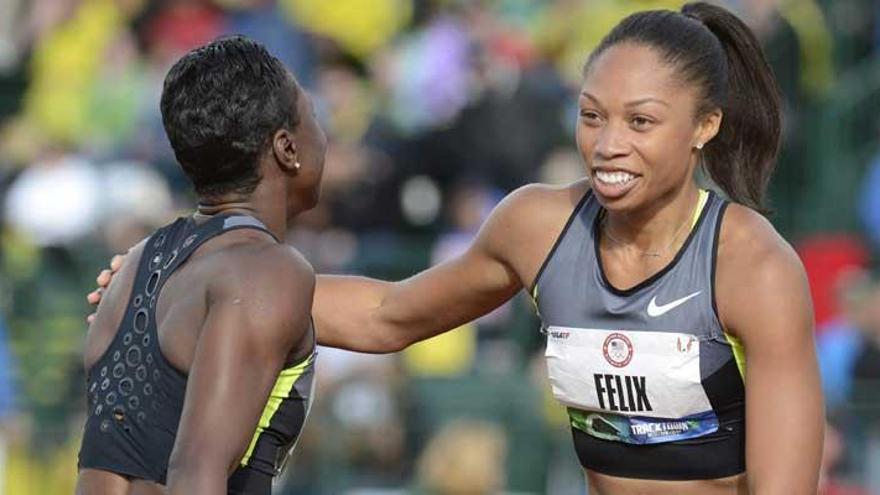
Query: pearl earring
700	146
297	165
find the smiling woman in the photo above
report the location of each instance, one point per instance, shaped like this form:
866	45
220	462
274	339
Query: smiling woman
678	323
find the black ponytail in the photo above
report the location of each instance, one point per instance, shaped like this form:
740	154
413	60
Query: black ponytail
715	50
742	156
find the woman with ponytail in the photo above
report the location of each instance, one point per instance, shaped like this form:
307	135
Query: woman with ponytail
678	322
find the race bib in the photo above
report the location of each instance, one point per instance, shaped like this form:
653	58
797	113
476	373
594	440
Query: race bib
635	387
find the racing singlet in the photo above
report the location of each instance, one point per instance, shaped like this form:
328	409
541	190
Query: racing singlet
653	385
135	396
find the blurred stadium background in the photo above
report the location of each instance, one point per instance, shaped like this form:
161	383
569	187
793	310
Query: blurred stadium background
435	109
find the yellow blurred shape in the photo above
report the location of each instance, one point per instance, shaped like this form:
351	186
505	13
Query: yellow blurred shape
65	66
448	354
29	474
359	26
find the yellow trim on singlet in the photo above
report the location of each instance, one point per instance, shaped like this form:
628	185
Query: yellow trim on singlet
739	353
701	203
736	346
281	391
534	298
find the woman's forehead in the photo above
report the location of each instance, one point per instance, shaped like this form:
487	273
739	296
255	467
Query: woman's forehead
630	72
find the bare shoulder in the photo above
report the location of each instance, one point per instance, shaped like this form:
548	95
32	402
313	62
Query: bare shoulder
534	203
535	209
749	240
268	285
263	266
757	269
523	228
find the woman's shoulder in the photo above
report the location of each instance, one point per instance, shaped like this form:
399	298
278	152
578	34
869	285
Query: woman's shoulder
525	225
748	236
755	263
537	210
540	200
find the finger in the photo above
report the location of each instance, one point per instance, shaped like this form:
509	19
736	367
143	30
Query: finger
90	318
104	277
116	262
94	297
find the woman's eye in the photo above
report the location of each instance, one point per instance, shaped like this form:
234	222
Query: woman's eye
639	122
590	115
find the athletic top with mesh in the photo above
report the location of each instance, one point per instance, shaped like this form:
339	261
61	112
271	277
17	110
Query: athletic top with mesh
135	396
653	385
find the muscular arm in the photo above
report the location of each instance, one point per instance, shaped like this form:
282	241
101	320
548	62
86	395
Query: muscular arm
764	299
258	309
369	315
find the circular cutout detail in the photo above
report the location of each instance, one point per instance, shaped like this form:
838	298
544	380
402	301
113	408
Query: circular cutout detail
126	386
133	356
141	319
118	370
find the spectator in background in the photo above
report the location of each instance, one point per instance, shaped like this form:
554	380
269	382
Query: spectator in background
864	395
464	458
66	64
265	22
830	483
360	27
839	342
55	201
866	368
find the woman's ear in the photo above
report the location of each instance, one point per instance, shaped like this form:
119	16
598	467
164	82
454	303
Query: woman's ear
708	128
284	150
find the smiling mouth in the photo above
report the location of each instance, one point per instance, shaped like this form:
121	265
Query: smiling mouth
616	178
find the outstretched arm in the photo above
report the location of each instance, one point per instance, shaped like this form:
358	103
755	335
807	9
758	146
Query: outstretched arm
258	309
763	299
369	315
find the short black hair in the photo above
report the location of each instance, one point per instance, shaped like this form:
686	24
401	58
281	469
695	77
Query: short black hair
221	103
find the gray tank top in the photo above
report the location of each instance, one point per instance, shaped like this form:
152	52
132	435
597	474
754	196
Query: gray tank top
646	365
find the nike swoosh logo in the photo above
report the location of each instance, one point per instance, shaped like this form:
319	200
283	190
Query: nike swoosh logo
655	310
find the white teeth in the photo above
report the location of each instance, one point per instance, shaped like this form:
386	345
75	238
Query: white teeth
615	178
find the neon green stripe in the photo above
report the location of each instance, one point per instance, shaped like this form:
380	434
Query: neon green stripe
701	202
283	386
578	419
739	353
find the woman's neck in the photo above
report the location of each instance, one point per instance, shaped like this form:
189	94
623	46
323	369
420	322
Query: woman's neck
654	231
271	214
213	208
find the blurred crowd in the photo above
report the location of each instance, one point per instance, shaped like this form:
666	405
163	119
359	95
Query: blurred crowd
434	110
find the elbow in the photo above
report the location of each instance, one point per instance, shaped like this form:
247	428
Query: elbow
388	334
389	341
397	343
